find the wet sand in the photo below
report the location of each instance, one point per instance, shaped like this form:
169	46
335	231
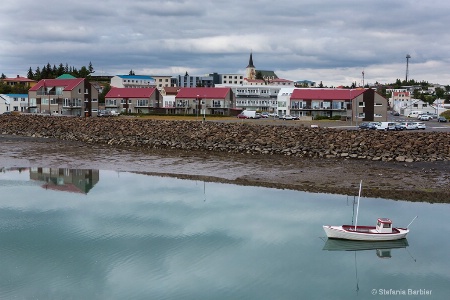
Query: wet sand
423	181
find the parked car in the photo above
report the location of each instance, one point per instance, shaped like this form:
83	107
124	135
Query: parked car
442	119
265	115
242	116
399	127
102	113
420	125
366	125
425	118
396	113
287	117
408	125
7	113
275	115
385	126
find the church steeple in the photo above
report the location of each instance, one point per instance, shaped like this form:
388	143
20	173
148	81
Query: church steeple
250	70
250	61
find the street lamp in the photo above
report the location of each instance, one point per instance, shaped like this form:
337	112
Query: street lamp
196	106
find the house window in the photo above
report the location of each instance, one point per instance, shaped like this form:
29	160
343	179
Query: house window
378	104
361	115
361	104
142	102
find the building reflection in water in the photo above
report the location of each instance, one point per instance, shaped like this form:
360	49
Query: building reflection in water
66	180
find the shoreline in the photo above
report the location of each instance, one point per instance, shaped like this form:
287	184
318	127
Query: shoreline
415	181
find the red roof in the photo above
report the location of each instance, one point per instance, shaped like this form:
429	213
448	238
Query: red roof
171	90
19	79
130	92
325	94
204	92
280	80
68	84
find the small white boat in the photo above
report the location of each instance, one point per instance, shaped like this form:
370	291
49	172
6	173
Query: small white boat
383	231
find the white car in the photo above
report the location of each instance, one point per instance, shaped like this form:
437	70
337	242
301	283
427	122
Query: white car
425	118
420	125
288	117
408	125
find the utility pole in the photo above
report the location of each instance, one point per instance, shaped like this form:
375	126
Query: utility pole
407	66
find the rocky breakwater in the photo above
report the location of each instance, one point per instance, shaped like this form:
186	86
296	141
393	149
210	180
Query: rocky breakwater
238	137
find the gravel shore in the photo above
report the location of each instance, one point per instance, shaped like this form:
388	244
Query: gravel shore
418	181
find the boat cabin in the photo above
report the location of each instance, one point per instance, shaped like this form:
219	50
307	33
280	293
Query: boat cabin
384	225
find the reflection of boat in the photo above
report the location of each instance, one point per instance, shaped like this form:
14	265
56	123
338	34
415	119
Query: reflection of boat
345	245
383	248
383	231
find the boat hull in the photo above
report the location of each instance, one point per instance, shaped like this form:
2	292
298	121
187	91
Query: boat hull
363	233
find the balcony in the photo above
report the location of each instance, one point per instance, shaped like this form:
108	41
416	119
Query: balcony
50	93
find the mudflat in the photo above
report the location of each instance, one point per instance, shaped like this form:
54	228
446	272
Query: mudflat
418	181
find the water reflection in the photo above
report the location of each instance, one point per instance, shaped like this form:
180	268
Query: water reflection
149	237
58	179
382	249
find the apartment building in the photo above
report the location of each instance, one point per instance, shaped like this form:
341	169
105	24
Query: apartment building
65	95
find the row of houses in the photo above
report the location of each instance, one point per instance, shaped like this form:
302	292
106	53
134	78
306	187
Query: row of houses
78	97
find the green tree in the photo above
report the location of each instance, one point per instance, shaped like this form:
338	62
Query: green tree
30	74
37	74
91	68
60	70
131	72
440	93
3	76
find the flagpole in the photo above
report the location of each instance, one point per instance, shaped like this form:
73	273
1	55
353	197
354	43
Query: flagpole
357	207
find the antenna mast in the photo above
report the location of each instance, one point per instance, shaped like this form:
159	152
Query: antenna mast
407	66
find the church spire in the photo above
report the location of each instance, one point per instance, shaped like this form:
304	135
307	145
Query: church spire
250	61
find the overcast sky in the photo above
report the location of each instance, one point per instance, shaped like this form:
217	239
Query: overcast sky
329	41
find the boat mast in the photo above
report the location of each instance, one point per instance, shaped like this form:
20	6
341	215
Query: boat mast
357	206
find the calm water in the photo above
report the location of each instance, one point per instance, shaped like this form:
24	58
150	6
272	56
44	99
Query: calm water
89	234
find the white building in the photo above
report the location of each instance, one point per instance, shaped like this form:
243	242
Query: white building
162	81
417	105
255	97
13	102
284	101
400	100
232	79
133	81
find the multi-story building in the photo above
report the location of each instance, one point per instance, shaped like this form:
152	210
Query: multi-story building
354	104
66	96
194	81
231	79
204	101
133	81
13	103
254	97
25	82
162	81
400	100
132	100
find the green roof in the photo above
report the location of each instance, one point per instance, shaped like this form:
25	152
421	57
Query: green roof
266	73
66	76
